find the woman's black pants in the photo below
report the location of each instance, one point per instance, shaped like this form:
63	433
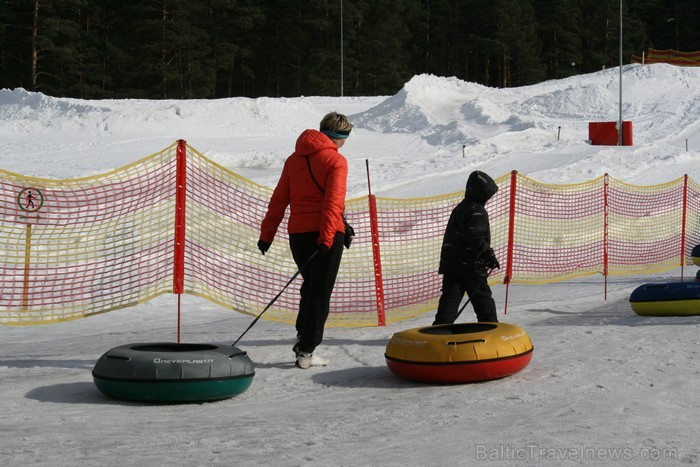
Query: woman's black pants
319	279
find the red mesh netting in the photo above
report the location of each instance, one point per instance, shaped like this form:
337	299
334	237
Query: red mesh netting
73	248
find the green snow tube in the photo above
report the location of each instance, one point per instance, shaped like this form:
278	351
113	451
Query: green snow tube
173	373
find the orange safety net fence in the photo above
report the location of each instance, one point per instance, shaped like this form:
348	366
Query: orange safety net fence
224	265
673	57
73	248
603	226
176	222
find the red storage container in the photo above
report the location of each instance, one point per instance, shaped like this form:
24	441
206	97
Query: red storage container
605	133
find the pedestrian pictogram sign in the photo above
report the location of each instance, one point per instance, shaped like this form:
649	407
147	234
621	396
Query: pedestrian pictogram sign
30	199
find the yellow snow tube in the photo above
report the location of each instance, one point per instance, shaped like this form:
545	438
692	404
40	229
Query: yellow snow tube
462	352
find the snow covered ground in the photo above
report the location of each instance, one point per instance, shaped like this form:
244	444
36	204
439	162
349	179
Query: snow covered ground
605	386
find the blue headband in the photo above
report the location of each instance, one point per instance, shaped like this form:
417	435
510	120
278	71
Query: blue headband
338	135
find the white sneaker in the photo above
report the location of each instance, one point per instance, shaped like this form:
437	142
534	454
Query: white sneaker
306	360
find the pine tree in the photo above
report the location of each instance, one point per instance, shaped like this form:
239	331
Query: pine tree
221	48
379	55
559	23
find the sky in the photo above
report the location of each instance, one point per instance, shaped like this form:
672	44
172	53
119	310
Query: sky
604	387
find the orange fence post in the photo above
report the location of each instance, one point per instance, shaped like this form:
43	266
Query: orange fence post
605	235
179	247
376	256
511	235
374	225
180	200
683	222
27	265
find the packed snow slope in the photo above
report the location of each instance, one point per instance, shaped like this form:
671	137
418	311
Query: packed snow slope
605	386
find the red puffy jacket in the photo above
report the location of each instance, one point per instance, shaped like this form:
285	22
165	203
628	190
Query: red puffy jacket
310	209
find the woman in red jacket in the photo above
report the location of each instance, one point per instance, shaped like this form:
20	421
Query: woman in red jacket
313	184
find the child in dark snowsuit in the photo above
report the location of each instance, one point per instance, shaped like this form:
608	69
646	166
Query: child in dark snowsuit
466	258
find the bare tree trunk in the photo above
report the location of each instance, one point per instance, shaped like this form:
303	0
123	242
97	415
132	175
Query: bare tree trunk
35	54
230	77
297	77
164	51
487	64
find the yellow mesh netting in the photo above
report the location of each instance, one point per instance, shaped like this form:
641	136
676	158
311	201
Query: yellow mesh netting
74	248
558	231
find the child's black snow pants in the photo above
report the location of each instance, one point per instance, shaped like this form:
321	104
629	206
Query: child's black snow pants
479	292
